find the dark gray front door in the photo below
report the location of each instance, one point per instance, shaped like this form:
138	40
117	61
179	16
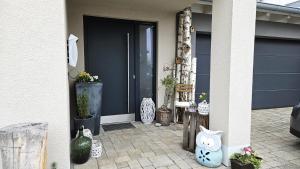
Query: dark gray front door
276	72
109	53
122	53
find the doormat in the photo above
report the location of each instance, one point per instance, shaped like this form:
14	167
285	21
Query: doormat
120	126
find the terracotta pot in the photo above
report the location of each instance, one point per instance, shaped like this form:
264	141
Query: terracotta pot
164	116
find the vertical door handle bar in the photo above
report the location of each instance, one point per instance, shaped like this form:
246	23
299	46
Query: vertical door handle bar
128	74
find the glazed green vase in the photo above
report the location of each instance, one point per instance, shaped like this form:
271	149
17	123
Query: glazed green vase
81	148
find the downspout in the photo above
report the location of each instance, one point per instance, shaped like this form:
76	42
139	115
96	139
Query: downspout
271	7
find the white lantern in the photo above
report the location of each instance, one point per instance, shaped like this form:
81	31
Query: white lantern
203	108
96	151
147	110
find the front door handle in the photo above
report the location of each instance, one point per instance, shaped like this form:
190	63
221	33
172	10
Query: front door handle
128	73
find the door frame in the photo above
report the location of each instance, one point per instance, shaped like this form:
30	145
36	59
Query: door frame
135	116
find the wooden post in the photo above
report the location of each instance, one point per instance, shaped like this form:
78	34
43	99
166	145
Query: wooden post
24	146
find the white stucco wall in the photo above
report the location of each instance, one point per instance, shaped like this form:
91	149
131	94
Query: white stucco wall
33	85
166	30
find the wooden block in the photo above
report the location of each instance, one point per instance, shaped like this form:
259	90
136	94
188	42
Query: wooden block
191	127
24	146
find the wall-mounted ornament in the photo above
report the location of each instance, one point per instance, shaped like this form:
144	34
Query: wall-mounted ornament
192	29
178	60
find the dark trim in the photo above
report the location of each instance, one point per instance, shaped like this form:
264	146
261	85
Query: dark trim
275	38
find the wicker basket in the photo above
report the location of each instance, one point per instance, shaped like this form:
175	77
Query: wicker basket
164	116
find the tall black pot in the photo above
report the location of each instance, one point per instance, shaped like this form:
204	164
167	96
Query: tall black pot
88	123
94	93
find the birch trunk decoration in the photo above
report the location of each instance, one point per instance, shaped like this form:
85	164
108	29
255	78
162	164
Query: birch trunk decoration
186	53
193	77
179	53
24	146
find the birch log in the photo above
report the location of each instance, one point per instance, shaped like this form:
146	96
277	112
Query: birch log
193	78
24	146
186	51
179	53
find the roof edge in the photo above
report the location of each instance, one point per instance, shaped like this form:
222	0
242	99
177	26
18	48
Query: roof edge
272	7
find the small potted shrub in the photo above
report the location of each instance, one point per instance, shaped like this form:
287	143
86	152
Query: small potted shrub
92	87
193	107
164	113
245	160
84	118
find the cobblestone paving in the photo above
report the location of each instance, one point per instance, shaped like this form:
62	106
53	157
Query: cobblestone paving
150	147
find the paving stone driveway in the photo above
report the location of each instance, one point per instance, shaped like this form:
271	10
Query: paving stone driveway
151	147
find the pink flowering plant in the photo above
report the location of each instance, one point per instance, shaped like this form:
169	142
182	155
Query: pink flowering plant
247	156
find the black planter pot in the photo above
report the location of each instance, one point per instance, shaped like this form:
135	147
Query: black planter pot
94	92
81	148
88	123
235	164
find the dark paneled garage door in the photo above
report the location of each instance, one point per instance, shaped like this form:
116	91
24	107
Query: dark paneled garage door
276	71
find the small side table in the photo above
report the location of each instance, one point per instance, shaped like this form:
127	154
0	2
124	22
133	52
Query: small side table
191	127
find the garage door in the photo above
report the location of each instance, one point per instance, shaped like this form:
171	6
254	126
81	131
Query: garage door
276	76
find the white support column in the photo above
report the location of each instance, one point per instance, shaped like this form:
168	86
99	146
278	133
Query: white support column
233	32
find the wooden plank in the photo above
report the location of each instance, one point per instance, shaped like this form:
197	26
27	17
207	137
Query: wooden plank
204	121
198	124
192	132
185	143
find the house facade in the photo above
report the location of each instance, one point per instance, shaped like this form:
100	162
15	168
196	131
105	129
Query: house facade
128	43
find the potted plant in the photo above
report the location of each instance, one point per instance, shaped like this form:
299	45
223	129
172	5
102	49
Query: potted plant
203	106
245	160
92	86
84	118
192	107
164	113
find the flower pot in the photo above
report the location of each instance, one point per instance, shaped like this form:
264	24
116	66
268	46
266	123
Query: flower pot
203	108
88	123
94	93
81	148
164	116
235	164
147	110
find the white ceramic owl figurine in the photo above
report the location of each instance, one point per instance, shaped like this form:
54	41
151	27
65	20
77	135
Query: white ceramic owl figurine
208	148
